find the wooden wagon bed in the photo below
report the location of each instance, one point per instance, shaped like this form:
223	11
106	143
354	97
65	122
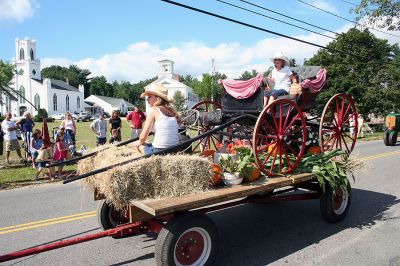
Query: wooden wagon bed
148	209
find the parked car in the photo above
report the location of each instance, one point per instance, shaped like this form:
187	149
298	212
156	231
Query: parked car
84	116
74	116
95	116
58	116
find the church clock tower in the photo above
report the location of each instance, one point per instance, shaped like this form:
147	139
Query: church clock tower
26	61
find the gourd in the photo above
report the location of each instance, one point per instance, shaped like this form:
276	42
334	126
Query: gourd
314	150
216	176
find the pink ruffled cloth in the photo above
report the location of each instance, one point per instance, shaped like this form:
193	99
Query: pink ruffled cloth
242	89
317	84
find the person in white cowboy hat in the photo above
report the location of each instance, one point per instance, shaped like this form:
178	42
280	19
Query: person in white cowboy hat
163	117
279	82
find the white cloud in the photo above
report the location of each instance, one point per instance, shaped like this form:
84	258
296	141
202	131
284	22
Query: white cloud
324	5
139	61
18	10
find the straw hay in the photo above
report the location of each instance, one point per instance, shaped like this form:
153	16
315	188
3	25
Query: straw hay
148	178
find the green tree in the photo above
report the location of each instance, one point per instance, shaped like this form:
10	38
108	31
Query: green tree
248	74
208	88
179	101
382	13
100	86
6	74
373	85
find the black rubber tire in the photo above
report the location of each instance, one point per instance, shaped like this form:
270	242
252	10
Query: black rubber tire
386	137
106	216
180	225
392	139
327	208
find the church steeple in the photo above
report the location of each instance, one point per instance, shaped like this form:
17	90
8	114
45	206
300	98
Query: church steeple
26	60
166	68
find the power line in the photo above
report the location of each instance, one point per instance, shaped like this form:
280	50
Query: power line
289	17
293	25
346	19
275	33
348	2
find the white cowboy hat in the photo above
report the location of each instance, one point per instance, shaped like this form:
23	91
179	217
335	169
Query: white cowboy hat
280	55
157	90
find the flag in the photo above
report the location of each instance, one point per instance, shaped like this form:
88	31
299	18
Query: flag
45	134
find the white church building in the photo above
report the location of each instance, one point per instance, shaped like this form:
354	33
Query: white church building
170	80
56	96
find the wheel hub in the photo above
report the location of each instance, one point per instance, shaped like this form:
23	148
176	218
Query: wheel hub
189	248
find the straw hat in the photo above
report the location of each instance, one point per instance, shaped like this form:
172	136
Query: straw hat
157	90
280	55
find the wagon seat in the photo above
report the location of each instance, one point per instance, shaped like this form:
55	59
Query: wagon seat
247	96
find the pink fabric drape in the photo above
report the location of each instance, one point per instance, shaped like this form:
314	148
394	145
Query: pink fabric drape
317	84
241	89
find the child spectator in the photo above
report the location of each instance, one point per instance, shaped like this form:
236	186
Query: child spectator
36	144
60	152
279	82
114	136
43	158
295	87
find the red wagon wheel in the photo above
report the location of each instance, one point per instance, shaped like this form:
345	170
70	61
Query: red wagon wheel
338	117
279	137
211	141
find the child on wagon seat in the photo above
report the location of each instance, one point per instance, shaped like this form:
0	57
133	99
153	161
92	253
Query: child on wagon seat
279	82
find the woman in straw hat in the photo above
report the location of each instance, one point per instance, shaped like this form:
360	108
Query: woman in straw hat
163	117
279	82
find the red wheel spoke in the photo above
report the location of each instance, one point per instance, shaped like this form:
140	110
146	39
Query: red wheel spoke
347	110
341	109
337	109
280	158
294	131
273	119
266	158
280	117
347	135
273	161
287	116
287	159
291	123
345	144
330	138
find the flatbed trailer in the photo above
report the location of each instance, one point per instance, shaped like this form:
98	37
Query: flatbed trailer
186	235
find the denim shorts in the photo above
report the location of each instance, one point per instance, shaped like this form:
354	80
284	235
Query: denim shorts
275	93
148	148
100	141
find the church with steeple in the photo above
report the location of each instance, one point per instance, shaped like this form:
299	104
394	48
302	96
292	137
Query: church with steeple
167	77
56	96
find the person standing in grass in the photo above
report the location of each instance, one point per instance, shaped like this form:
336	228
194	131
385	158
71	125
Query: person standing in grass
136	117
10	137
26	125
115	123
69	124
99	127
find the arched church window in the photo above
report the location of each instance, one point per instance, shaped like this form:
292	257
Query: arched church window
78	102
67	102
36	101
54	102
22	94
21	54
32	55
8	104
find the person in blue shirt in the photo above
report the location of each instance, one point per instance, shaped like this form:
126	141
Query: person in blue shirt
26	126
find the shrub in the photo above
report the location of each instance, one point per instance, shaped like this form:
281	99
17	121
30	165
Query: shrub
39	116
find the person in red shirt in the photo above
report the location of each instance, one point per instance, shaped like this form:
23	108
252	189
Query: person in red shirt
137	117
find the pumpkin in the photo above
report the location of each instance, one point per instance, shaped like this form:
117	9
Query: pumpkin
251	173
273	148
314	150
208	154
216	177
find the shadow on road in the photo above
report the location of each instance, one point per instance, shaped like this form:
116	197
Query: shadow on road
261	234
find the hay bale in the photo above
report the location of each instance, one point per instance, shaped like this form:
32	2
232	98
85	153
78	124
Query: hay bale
148	178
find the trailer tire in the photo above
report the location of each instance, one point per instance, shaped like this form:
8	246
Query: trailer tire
334	207
386	138
189	239
392	139
108	217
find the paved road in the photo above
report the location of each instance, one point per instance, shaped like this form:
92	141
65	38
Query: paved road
285	233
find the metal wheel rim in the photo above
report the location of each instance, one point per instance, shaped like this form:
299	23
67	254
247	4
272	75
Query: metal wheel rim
336	135
205	143
340	200
116	218
282	130
202	257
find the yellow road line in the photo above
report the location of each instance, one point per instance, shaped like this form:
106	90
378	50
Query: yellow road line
380	155
48	220
46	224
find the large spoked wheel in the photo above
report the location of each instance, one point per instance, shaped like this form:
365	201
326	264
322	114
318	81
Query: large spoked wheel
208	142
279	137
108	217
190	239
338	117
334	206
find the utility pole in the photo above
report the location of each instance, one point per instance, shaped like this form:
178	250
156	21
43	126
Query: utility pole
212	78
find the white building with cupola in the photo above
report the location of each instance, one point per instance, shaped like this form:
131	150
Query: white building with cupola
56	96
167	77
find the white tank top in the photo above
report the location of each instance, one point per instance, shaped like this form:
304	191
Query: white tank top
165	131
68	124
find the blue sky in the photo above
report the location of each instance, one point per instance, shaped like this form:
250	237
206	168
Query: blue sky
123	39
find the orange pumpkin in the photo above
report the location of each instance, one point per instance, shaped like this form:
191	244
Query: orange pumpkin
251	173
216	177
314	150
208	154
